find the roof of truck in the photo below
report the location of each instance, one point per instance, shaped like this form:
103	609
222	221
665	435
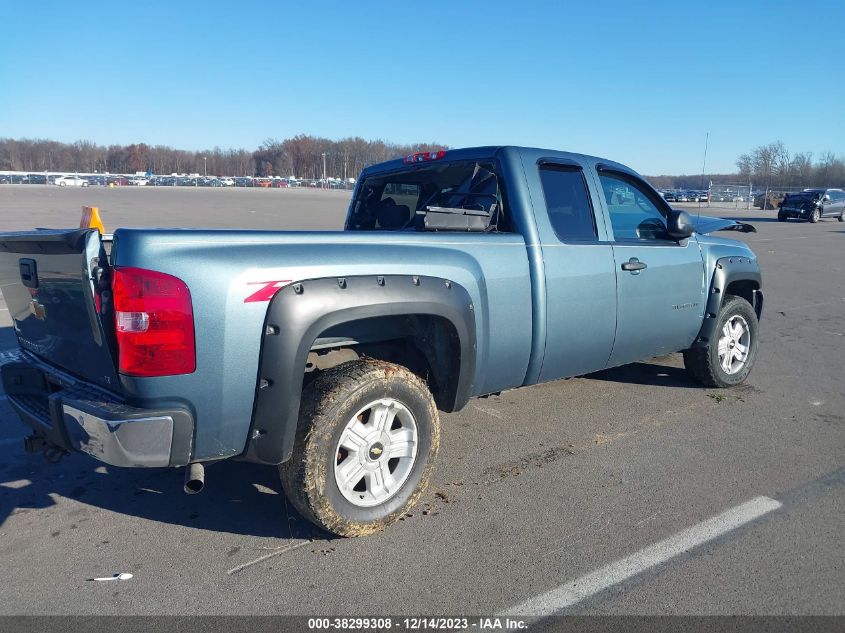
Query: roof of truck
490	151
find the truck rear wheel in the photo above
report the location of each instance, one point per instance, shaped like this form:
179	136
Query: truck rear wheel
729	355
367	436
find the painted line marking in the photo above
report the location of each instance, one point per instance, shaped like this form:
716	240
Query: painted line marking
580	589
278	552
489	411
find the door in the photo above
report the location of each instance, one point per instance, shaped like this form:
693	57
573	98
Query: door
836	206
580	276
660	283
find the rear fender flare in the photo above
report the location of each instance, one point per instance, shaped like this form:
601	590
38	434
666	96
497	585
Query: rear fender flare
300	312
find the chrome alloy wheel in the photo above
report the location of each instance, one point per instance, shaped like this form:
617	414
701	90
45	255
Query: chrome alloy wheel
734	344
376	453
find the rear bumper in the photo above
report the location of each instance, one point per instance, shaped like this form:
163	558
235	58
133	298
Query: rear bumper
79	417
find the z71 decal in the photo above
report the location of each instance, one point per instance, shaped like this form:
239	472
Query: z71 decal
267	290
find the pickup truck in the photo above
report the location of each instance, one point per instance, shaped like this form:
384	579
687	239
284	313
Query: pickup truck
459	273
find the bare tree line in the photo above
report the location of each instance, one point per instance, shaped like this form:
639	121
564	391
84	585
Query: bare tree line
774	166
302	156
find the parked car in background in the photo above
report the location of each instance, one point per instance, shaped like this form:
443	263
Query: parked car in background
772	202
813	204
139	181
71	181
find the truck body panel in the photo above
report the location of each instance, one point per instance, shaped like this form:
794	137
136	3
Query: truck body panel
542	306
492	267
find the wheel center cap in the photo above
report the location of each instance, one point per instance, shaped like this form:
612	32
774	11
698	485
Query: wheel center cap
376	451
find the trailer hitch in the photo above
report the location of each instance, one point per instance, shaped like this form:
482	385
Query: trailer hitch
52	453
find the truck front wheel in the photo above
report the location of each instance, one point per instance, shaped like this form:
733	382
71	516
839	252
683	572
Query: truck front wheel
367	436
729	355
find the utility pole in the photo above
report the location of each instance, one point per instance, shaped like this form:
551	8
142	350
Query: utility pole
704	168
205	166
324	170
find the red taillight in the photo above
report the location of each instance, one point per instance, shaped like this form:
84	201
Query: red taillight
423	157
154	322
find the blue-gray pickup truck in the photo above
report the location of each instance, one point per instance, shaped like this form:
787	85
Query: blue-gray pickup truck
458	273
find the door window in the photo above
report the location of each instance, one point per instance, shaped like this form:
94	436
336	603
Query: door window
634	215
568	203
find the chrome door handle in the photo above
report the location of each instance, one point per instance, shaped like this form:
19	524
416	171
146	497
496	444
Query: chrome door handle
634	265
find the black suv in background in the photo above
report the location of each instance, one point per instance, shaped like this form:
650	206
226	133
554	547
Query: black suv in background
813	204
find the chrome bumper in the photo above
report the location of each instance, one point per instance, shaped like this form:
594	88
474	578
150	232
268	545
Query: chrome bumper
138	442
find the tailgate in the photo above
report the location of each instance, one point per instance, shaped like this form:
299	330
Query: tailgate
46	277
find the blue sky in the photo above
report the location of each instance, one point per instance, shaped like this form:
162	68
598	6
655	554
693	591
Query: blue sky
637	82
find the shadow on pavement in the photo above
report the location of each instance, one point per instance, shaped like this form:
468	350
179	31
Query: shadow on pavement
7	339
647	374
239	498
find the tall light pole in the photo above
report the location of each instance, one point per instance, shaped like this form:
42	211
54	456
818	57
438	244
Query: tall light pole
704	167
205	166
324	170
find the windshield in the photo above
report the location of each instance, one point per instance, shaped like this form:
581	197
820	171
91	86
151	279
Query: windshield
394	201
811	194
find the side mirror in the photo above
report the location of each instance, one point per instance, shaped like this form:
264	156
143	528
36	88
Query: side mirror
826	198
679	225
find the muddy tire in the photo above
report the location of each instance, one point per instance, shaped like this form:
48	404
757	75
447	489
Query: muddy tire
729	356
841	217
366	440
781	216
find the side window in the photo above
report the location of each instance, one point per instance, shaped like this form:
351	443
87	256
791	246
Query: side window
568	202
633	215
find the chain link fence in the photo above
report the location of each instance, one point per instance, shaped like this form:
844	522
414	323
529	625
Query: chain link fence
737	196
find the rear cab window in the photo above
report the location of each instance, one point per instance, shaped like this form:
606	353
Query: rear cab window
568	202
397	200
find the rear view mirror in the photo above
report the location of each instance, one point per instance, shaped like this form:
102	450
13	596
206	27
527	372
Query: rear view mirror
679	225
826	198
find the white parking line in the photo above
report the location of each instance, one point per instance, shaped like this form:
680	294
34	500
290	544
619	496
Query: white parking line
278	552
589	585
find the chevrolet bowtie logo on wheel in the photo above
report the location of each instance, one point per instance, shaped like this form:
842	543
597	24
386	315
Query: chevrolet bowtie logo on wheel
376	450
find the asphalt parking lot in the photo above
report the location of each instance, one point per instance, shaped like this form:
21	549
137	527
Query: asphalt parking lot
537	492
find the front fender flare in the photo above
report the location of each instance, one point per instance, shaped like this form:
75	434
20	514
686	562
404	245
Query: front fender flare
300	312
727	271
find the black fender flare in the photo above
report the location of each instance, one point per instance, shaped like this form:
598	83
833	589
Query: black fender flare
727	271
300	312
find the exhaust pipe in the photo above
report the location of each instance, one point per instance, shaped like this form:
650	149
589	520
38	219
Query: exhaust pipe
194	478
